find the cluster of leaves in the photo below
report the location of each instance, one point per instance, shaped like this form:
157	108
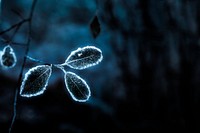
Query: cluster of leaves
36	79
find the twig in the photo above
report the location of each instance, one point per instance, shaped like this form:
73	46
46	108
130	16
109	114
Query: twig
14	26
29	20
35	60
17	13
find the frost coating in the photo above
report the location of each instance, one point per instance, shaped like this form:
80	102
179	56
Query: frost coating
35	81
8	57
77	87
84	57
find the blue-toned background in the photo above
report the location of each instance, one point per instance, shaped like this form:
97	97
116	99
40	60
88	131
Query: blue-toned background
149	79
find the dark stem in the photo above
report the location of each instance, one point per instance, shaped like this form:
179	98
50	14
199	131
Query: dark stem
19	24
60	66
14	26
29	20
17	13
14	110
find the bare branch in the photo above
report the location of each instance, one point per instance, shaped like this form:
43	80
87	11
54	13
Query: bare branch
29	20
14	26
17	13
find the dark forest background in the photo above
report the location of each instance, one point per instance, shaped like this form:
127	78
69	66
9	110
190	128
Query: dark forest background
149	79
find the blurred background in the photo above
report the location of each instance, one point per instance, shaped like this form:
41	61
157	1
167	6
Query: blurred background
149	79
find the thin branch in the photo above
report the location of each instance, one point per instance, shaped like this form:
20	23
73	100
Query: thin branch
35	60
14	110
32	9
19	24
23	64
14	26
17	13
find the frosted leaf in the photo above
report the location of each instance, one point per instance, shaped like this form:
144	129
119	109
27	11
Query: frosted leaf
77	87
8	58
84	57
35	81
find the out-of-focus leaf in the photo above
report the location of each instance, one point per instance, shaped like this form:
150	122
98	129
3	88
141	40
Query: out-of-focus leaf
8	57
95	27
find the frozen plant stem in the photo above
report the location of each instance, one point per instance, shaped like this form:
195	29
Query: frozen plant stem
35	60
17	26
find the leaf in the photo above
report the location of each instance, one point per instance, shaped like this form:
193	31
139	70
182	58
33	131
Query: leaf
77	87
8	57
35	81
84	57
95	27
